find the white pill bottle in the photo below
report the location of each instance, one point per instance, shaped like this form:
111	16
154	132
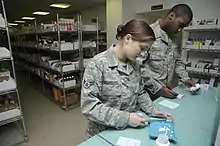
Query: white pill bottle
162	140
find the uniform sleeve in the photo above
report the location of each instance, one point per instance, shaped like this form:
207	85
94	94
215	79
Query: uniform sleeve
180	67
144	101
150	83
91	105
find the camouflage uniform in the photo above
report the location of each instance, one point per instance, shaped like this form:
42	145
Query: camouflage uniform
163	59
111	90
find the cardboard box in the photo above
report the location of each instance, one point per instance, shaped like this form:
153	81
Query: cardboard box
71	99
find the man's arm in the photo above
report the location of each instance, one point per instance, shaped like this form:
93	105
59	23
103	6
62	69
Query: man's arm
150	83
146	104
92	106
180	67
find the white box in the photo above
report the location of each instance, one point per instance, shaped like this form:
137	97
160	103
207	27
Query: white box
67	66
4	53
7	85
76	45
76	64
2	21
65	46
67	84
88	44
213	71
89	28
5	73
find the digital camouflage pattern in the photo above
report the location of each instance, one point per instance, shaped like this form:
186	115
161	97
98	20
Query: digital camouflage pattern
162	61
111	90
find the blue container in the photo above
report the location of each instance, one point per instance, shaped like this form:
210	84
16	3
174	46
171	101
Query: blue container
158	127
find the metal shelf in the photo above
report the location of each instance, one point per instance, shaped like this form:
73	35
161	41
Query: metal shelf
203	28
203	50
46	32
48	68
61	88
2	28
89	32
59	72
10	130
204	73
52	50
10	116
49	82
26	59
7	86
44	49
52	32
58	36
11	134
55	32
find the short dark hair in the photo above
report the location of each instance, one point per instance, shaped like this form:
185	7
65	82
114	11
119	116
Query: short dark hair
139	30
181	10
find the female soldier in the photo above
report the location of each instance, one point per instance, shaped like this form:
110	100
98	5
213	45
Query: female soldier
112	90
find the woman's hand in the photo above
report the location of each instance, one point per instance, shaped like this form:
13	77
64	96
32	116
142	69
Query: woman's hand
136	119
164	114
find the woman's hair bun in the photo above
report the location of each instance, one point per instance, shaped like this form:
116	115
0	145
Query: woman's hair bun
120	30
139	30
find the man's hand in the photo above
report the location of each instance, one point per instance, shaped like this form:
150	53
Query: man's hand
190	83
136	120
166	92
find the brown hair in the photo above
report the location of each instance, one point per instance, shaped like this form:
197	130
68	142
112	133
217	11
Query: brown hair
139	30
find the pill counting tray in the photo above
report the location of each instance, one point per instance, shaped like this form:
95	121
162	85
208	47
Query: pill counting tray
162	127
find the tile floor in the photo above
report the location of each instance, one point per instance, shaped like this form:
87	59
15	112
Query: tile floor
46	123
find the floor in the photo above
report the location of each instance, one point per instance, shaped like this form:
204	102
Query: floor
46	123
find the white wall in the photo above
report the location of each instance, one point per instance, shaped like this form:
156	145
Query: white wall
121	11
128	10
201	8
98	11
114	18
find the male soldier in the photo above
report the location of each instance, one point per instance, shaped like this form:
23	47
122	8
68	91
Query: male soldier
163	59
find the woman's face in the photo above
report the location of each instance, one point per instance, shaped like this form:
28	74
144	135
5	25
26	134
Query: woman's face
134	48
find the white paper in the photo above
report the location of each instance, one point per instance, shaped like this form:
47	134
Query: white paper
169	104
179	96
123	141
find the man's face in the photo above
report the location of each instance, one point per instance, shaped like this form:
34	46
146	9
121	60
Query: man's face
177	23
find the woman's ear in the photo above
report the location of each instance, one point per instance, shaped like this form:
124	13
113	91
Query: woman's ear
128	37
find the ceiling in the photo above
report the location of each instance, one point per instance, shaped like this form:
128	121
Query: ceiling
16	9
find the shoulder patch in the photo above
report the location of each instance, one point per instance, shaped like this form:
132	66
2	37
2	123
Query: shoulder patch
87	83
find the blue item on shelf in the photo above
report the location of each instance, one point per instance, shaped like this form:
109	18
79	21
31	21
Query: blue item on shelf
158	127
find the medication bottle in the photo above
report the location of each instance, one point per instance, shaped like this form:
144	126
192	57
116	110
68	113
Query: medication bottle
206	84
162	140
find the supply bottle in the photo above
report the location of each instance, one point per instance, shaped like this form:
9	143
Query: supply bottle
162	140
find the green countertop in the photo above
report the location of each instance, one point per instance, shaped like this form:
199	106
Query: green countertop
194	120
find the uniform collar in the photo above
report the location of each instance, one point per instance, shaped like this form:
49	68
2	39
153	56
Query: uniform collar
159	33
114	62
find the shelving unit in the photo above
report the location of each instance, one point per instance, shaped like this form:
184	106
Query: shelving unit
204	73
203	28
42	61
201	49
12	126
